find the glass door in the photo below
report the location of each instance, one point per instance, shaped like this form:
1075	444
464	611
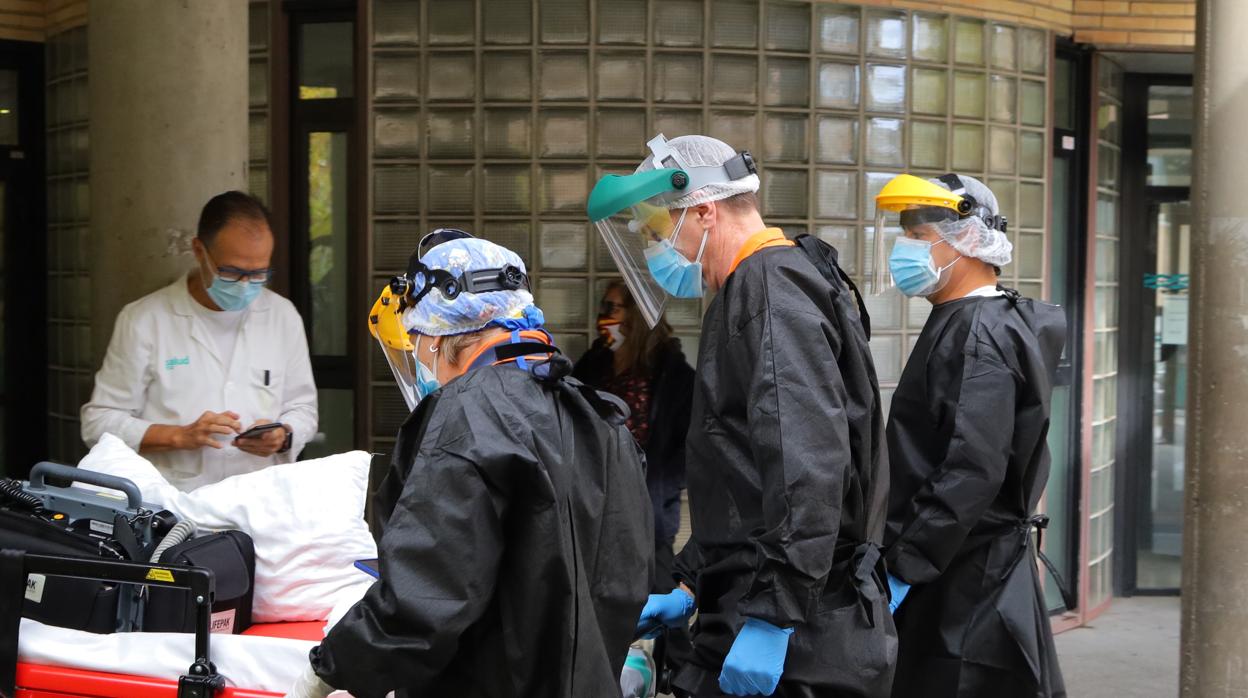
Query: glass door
323	242
1155	306
1160	505
324	280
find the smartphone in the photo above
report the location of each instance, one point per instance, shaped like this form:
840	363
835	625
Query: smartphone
258	430
369	566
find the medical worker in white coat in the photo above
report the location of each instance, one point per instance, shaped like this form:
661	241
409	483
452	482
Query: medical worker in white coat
193	365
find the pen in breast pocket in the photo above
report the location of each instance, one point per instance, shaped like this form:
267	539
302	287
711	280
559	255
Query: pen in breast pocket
266	377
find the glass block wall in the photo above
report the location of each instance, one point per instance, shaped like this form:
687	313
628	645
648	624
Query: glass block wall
258	99
1105	332
498	115
70	367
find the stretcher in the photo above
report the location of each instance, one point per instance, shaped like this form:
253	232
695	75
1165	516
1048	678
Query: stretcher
43	681
34	680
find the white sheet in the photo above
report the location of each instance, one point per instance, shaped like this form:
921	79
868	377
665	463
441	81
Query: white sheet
260	663
306	519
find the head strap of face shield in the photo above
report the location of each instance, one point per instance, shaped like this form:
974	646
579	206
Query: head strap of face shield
968	206
439	236
740	166
506	278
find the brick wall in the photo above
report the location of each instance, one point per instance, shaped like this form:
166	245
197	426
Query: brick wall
35	20
65	14
22	20
1136	24
1049	14
1103	23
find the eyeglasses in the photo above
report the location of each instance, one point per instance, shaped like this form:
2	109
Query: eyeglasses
235	275
609	307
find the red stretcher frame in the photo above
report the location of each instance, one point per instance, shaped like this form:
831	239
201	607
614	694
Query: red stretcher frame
43	681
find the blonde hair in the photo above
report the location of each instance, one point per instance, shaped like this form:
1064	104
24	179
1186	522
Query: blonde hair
453	347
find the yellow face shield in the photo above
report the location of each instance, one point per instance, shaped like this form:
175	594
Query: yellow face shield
385	323
904	194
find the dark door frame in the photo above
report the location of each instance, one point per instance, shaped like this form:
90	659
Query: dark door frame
25	266
1137	307
1075	261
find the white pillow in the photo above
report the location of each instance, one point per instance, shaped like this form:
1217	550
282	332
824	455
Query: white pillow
306	519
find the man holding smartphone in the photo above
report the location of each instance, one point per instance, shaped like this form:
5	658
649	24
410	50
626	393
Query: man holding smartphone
210	377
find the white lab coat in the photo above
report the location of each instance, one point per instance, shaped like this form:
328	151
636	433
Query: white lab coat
163	367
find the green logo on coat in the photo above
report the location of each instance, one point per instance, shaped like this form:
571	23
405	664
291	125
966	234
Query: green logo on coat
175	361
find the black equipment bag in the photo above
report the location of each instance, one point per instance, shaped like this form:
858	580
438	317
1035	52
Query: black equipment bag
41	518
78	604
45	519
232	558
17	567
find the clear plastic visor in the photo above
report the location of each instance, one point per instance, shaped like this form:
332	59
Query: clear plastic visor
913	221
628	235
403	366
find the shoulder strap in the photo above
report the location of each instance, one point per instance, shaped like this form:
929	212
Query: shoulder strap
824	257
556	370
611	408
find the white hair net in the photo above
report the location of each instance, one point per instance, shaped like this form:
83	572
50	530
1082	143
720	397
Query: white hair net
704	151
971	236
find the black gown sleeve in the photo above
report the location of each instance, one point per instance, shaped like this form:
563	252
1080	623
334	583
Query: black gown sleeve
967	481
798	432
439	559
687	563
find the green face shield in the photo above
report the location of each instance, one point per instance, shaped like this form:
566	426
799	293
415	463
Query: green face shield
634	216
627	211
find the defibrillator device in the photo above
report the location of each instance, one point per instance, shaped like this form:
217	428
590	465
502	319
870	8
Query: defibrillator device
111	522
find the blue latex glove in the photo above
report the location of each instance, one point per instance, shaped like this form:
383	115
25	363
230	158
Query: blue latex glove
756	661
897	591
664	610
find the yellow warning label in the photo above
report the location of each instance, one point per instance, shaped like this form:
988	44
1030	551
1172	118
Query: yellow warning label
159	576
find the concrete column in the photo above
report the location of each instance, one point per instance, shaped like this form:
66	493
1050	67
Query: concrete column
1215	555
168	128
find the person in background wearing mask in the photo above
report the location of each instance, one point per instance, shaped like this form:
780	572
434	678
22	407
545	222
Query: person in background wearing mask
646	368
969	461
787	479
517	539
194	365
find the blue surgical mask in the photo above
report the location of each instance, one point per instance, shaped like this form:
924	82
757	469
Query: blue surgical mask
674	273
229	295
426	378
914	272
233	295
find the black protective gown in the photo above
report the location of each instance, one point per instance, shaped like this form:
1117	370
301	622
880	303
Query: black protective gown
788	482
966	440
516	554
